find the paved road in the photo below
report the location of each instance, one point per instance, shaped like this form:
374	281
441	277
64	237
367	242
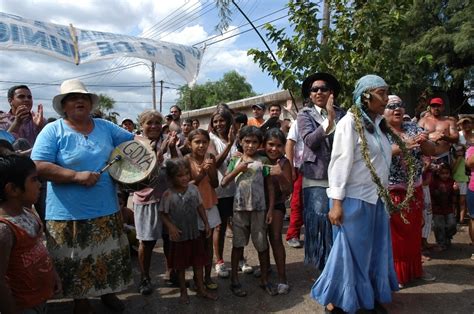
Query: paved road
452	292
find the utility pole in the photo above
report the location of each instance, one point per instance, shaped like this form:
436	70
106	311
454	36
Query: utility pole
153	85
161	95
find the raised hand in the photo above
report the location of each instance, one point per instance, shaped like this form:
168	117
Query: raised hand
231	136
330	108
172	139
38	117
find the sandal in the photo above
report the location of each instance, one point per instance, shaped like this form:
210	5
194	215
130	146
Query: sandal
211	285
269	288
237	290
283	288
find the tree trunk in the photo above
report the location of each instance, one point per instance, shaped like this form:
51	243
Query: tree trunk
325	22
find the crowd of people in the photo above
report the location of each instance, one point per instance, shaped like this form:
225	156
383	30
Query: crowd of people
369	185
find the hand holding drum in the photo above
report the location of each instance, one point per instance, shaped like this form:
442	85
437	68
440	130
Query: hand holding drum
132	165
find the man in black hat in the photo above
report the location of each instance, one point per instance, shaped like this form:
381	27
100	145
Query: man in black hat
316	124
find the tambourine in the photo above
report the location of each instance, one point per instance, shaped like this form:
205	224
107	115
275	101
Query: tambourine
132	164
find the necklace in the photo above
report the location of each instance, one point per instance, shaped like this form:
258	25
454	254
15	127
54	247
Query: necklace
409	160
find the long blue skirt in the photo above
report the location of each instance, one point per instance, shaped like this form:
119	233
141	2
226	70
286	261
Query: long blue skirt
359	269
318	230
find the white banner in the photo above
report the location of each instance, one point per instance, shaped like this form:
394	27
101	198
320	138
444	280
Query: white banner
81	46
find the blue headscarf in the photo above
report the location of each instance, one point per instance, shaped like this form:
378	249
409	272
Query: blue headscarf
364	84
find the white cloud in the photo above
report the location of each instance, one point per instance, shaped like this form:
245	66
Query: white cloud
125	17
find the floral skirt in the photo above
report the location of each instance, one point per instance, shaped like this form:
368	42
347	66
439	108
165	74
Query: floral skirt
91	256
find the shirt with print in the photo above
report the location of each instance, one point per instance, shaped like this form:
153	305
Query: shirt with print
250	190
398	168
28	129
182	209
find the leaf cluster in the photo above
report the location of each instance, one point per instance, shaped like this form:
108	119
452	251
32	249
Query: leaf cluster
232	86
413	44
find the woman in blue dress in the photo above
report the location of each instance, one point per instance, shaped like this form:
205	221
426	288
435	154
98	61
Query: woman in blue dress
359	272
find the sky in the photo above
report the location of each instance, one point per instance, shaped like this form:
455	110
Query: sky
186	22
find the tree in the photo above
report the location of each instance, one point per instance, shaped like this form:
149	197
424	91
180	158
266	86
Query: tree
232	86
105	108
414	45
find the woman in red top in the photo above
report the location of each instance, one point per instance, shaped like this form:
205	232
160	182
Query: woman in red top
406	225
27	275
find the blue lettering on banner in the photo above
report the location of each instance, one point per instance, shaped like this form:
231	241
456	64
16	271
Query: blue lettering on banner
105	48
61	46
40	24
4	32
123	46
86	35
63	32
15	30
36	38
179	58
149	49
26	36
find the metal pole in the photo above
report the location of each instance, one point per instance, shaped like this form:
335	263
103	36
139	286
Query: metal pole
153	87
161	95
266	45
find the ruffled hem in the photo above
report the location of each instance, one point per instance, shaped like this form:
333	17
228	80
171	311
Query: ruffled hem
352	297
408	270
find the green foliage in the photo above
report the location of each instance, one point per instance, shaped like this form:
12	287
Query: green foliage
413	44
105	108
232	86
224	13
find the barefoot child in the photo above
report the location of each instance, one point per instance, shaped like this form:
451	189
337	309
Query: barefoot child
274	144
180	207
204	176
252	179
442	190
27	275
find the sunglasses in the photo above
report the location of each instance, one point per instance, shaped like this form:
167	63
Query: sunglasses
323	89
395	105
436	105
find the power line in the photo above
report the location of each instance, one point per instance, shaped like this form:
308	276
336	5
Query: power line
89	85
121	61
118	101
186	18
246	31
256	20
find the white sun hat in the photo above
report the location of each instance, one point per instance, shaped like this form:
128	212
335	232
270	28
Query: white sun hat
69	87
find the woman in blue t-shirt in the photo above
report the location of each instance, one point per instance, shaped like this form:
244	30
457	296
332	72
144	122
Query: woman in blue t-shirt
82	216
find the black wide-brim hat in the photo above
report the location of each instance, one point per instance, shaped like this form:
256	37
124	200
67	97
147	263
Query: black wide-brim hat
332	82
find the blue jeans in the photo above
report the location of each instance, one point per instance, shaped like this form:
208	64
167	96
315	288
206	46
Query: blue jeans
444	227
318	230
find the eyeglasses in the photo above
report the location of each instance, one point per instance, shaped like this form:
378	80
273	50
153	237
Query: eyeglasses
323	89
395	105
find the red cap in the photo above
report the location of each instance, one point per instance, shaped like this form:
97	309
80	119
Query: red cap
437	100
